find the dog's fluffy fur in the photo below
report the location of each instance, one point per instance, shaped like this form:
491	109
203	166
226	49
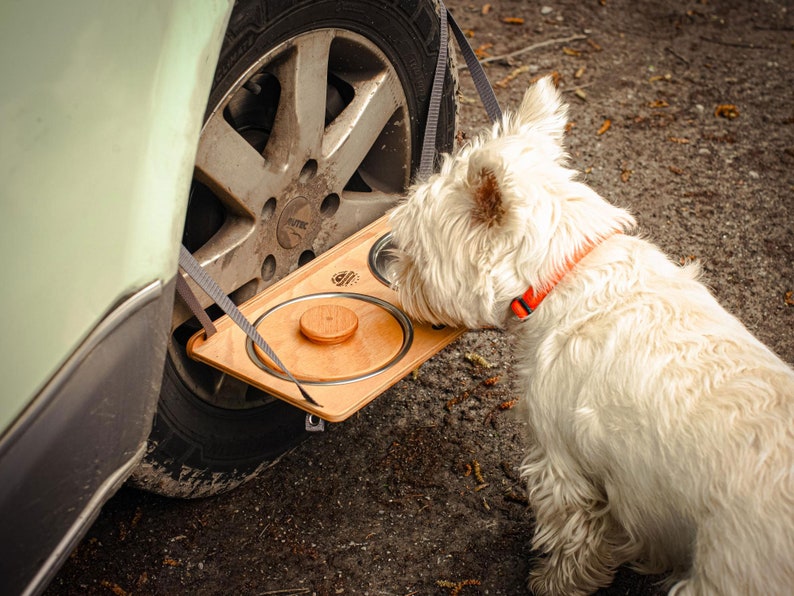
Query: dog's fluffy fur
660	431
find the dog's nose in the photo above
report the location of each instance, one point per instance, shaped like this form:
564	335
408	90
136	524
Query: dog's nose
328	324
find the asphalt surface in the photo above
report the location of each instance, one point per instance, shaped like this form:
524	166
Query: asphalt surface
682	112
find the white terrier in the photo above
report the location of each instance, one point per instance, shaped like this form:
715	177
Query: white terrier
660	431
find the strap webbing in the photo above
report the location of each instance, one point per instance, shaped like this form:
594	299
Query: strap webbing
183	289
478	75
214	291
427	162
487	95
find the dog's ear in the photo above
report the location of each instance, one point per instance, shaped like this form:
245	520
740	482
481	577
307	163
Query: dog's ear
486	194
542	109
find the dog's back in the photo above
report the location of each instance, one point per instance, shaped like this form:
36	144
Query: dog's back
681	415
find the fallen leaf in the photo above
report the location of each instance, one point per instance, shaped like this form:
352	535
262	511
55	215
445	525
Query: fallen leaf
580	94
486	9
676	171
475	358
659	103
604	127
789	298
456	587
513	20
578	74
511	76
725	138
625	175
679	140
516	498
456	400
136	518
115	588
482	50
477	471
594	45
570	51
726	110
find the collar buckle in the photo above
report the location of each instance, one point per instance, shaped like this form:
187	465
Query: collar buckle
520	308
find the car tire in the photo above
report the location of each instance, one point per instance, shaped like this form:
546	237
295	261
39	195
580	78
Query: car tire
211	432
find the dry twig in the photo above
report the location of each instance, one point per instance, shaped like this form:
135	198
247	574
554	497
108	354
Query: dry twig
534	46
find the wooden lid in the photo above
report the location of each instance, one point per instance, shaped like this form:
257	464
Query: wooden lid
328	324
374	338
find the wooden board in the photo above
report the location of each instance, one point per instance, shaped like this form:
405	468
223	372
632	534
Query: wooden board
343	377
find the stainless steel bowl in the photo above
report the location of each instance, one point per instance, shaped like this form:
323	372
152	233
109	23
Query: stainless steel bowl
381	255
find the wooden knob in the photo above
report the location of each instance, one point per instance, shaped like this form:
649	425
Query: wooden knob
328	324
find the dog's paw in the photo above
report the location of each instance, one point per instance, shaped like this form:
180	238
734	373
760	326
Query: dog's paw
561	576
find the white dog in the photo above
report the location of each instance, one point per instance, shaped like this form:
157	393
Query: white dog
660	431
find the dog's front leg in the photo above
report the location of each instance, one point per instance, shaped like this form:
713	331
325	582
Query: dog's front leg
573	528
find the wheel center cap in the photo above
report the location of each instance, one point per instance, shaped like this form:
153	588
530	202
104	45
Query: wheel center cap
295	222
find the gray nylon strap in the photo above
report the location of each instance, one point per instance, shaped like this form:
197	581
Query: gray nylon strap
487	95
183	289
214	291
427	162
478	75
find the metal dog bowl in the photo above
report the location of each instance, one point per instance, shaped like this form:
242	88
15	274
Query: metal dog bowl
382	337
381	255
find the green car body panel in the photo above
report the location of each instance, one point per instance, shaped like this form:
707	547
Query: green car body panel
101	106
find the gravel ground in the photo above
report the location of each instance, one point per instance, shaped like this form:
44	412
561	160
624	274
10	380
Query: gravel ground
418	493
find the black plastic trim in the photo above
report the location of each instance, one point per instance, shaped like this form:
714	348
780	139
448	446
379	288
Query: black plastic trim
81	436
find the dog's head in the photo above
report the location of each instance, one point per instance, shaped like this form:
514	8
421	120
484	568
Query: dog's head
495	219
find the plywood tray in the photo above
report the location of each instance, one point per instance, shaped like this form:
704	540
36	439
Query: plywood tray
342	376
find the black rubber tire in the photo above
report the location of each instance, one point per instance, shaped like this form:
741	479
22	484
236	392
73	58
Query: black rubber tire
197	449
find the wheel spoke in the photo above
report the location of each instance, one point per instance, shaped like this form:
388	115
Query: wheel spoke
350	136
303	75
233	169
